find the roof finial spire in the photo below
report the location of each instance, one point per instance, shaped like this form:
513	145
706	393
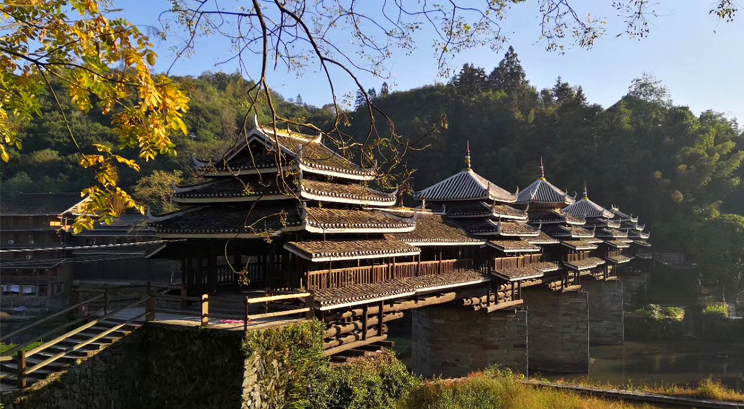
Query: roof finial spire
542	169
467	157
586	195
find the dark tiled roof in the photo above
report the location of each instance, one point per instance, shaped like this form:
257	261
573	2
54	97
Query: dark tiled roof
610	233
40	204
635	234
533	270
503	228
361	293
512	245
339	219
617	244
542	191
642	243
334	192
584	264
315	156
349	249
618	259
623	216
567	231
433	229
601	222
586	208
475	208
542	238
240	219
466	185
251	188
579	244
552	216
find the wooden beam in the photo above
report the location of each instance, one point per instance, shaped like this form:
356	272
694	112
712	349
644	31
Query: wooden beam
399	306
342	348
502	305
357	336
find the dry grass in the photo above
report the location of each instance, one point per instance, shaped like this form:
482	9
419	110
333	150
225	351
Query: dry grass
708	388
501	390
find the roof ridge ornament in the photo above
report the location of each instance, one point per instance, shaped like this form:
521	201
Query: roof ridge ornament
542	169
467	157
586	194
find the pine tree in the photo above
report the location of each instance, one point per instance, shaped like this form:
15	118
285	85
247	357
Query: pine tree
384	89
509	76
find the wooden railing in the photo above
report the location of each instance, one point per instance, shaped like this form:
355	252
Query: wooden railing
577	256
504	263
342	277
151	309
23	371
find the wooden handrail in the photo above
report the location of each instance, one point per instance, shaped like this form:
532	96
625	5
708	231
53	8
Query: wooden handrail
257	300
45	319
80	345
278	313
79	329
44	335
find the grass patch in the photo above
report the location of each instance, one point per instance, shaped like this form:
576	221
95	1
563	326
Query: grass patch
708	388
496	389
6	347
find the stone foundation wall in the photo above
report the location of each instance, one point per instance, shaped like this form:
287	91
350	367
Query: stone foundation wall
606	321
453	342
558	330
157	366
635	288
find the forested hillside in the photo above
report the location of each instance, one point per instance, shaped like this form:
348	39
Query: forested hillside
679	171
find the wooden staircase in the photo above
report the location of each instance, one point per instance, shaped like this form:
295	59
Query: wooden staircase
70	350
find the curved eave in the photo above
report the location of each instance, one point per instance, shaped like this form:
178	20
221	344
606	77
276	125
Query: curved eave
582	268
252	171
348	200
342	230
223	235
228	199
443	243
322	259
522	250
335	173
514	279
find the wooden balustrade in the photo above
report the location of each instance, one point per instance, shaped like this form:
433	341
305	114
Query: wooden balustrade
342	277
505	263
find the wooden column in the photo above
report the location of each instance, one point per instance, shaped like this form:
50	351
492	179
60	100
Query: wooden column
211	271
365	311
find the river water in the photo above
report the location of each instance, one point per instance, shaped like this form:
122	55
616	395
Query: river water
665	362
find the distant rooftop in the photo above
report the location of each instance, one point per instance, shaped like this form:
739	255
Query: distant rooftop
40	204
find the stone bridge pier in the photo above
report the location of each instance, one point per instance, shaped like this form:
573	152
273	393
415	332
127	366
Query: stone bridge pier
558	330
606	320
455	341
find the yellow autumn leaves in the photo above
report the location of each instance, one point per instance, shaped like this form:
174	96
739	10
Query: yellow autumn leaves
101	63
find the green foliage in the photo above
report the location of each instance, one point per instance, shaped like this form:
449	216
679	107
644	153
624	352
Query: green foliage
718	308
375	382
5	347
304	379
156	191
298	348
658	312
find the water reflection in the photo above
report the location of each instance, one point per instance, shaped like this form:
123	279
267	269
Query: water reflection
656	362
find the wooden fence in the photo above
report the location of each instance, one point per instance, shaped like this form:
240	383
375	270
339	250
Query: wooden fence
150	304
342	277
505	263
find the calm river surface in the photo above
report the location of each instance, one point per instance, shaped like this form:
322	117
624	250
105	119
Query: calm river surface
666	362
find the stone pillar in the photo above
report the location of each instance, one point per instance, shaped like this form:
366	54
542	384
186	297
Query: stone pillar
559	330
453	342
606	323
635	287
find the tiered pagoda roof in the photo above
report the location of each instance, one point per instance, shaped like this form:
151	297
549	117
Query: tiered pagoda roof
269	183
544	194
436	229
335	250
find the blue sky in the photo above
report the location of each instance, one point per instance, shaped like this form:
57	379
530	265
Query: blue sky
699	58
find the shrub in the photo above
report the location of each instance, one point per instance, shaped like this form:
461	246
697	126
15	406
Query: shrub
717	308
370	382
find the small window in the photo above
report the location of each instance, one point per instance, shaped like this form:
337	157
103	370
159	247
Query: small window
31	241
29	256
11	241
